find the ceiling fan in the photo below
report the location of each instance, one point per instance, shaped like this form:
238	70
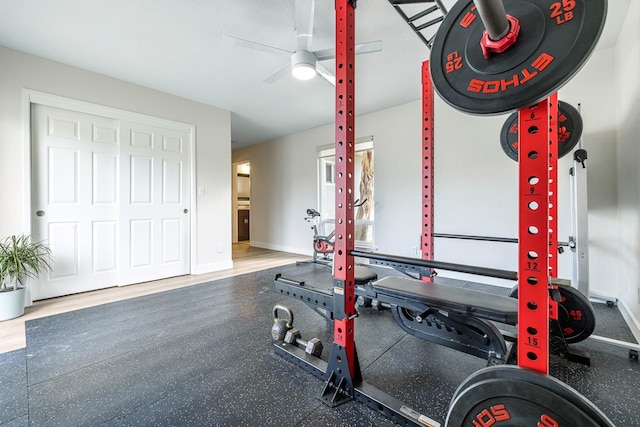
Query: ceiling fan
304	63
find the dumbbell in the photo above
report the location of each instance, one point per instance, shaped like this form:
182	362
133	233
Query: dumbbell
374	303
312	347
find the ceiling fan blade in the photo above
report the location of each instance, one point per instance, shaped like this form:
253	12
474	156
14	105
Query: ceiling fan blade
325	54
369	47
304	23
325	73
258	46
361	49
278	74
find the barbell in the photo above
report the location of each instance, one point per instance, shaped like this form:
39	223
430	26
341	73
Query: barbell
494	57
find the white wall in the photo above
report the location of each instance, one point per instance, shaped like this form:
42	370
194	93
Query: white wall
594	89
213	164
627	62
475	182
283	186
284	182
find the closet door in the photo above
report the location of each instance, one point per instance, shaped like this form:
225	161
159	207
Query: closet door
111	197
75	199
154	202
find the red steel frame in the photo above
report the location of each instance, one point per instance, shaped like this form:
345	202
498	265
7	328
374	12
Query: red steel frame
428	121
537	131
537	260
553	187
553	200
343	334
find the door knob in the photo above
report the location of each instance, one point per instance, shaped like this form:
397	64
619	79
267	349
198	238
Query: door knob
186	211
40	213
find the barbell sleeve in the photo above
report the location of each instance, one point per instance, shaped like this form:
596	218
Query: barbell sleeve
493	17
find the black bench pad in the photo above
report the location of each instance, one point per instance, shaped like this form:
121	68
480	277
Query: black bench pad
364	275
361	274
450	298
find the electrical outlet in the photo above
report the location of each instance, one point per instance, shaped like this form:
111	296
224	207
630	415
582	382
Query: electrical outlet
220	248
414	250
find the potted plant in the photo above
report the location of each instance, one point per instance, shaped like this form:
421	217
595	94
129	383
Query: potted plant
20	259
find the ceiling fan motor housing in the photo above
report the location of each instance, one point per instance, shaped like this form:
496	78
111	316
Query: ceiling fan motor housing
303	65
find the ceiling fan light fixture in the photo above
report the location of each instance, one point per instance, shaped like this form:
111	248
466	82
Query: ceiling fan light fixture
303	72
303	65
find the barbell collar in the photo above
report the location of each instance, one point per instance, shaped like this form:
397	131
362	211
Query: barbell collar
493	17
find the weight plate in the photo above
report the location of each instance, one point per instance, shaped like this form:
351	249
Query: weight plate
554	42
550	387
575	314
569	131
510	403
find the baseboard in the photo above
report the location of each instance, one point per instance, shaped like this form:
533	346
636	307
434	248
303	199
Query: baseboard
212	267
280	248
631	320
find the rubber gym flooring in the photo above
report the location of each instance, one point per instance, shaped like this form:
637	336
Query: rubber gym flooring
203	355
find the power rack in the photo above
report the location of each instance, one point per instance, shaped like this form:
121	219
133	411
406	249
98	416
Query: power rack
485	395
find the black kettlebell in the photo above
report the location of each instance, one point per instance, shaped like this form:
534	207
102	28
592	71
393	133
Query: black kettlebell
281	326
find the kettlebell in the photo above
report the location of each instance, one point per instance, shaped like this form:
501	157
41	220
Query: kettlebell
281	326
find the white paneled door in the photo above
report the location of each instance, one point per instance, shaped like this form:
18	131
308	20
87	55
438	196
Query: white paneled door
154	200
111	197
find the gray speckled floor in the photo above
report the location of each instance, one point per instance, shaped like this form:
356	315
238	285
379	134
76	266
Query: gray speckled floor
203	356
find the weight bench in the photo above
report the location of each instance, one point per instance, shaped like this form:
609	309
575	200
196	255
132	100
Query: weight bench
448	315
442	314
455	317
363	275
321	300
459	300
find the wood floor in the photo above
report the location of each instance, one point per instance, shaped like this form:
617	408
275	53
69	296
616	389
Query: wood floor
246	259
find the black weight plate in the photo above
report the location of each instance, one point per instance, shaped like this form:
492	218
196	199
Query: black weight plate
509	403
549	384
569	131
555	40
575	314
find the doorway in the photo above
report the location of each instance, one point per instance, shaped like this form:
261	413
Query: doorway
241	202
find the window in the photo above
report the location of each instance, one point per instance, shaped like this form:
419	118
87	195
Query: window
363	188
329	172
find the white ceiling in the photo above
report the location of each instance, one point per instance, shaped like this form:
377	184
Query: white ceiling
178	47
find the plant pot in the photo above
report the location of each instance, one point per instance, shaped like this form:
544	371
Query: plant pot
11	304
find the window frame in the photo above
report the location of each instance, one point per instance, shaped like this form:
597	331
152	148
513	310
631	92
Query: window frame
327	210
